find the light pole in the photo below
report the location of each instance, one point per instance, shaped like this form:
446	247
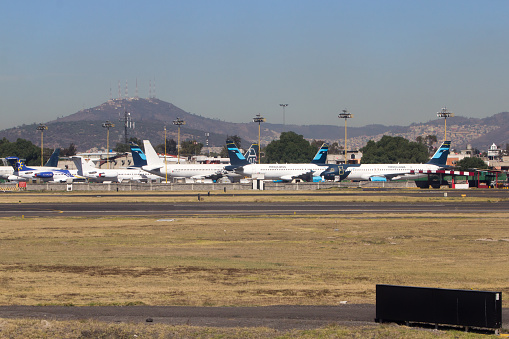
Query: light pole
41	128
165	163
179	122
284	106
445	114
259	119
345	115
108	124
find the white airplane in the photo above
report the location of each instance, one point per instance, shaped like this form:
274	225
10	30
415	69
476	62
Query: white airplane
387	172
46	174
94	174
7	172
155	165
285	172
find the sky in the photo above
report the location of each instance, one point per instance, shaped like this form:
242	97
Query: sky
387	62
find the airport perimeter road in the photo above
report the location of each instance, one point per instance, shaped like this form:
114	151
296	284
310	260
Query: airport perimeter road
251	208
277	317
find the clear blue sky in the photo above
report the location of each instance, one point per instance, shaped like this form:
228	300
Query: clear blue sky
388	62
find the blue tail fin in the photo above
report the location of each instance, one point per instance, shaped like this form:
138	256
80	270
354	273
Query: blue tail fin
53	160
139	157
252	154
236	158
321	156
440	156
17	164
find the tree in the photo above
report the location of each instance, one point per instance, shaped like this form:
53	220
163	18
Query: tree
469	164
69	151
428	140
22	149
124	148
290	148
393	150
171	147
190	147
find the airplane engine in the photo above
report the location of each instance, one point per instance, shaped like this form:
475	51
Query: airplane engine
44	175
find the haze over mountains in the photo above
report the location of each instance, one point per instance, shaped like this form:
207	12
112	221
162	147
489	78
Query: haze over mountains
84	128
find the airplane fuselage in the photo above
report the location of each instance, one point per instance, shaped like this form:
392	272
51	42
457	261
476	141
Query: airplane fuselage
285	172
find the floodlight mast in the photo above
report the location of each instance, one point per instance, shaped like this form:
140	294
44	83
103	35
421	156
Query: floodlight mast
108	124
284	106
345	115
165	162
41	128
178	122
444	113
259	119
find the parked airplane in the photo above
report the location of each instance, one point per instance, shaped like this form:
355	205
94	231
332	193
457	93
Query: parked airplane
46	174
387	172
8	171
157	166
94	174
285	172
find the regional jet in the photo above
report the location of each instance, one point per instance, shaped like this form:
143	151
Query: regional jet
95	174
46	174
284	172
156	165
387	172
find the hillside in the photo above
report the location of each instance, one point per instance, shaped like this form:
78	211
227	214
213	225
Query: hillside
84	128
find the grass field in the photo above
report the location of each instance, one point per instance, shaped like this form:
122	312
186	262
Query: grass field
236	261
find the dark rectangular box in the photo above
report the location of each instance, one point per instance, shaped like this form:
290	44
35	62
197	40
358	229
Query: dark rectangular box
439	306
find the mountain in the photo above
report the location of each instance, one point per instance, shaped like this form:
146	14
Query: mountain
84	128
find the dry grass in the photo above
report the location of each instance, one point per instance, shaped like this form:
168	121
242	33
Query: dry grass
246	261
32	328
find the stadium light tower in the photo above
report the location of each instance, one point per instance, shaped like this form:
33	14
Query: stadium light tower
165	162
259	119
345	115
445	114
41	128
284	106
178	122
108	124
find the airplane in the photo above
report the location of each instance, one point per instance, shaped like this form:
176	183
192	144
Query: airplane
94	174
156	165
387	172
8	171
46	174
284	172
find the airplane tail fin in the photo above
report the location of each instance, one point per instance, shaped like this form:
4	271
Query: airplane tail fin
153	160
236	158
139	157
321	156
252	154
82	165
53	160
440	156
17	164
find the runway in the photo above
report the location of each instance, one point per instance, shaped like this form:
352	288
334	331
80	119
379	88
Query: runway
244	209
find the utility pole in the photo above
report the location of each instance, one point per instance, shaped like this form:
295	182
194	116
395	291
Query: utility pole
284	106
108	125
345	115
259	119
42	128
178	122
445	114
165	162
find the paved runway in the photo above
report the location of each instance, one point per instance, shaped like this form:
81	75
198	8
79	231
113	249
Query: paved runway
236	208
